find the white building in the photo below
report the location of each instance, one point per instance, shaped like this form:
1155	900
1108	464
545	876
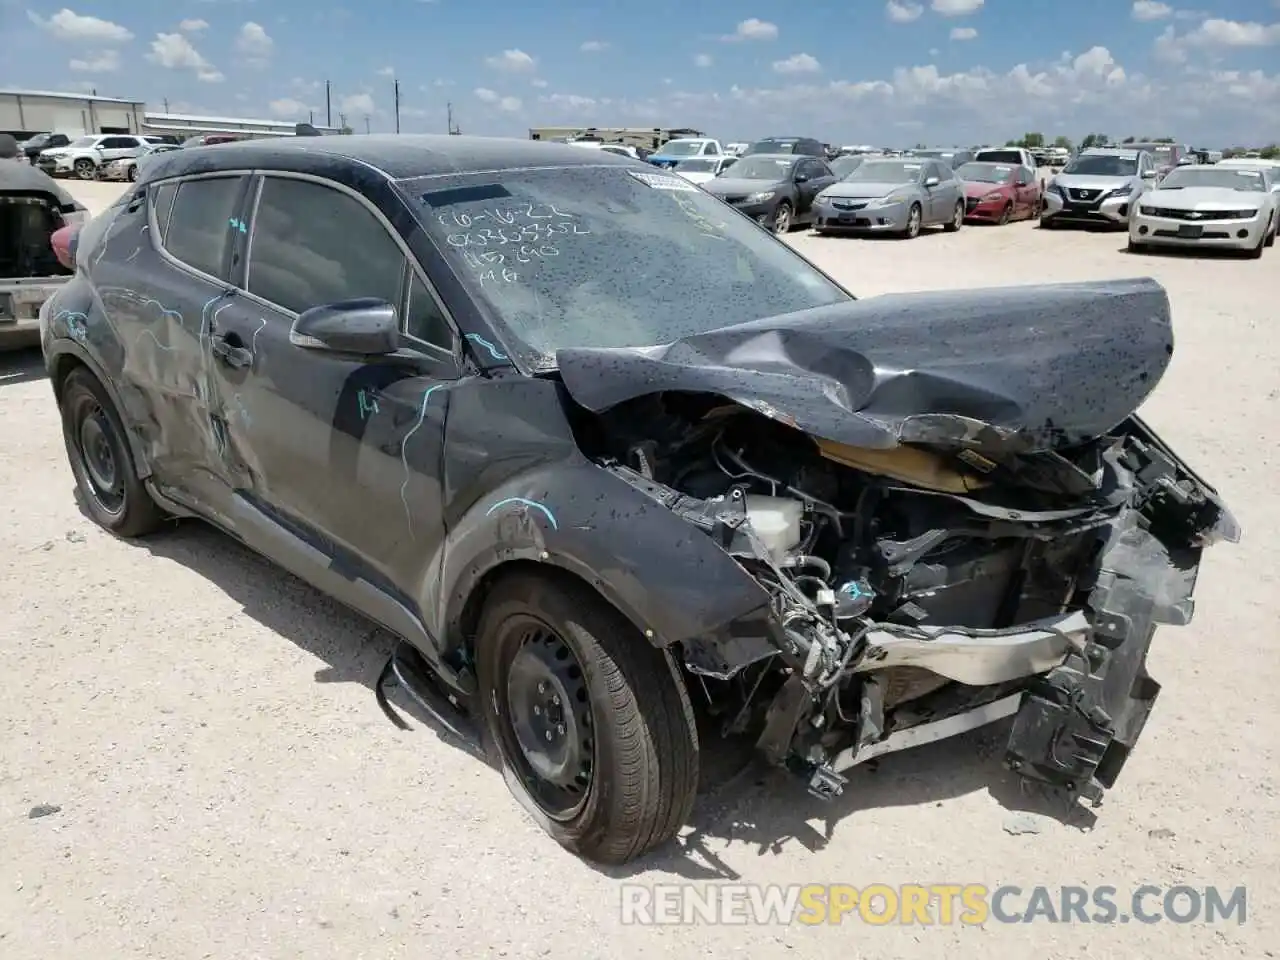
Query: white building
187	125
24	113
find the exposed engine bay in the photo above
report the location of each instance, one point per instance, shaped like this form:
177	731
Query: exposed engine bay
27	221
915	584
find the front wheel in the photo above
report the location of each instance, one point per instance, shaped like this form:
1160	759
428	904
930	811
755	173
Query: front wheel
592	723
1271	237
782	218
1136	247
914	216
133	173
957	218
85	169
100	459
1005	214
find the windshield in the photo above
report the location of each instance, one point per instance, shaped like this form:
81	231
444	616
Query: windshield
774	146
928	154
1179	178
886	171
696	166
843	166
1000	156
761	168
681	148
1103	165
539	250
39	140
985	172
84	142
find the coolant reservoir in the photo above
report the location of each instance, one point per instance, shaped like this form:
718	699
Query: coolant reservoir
776	521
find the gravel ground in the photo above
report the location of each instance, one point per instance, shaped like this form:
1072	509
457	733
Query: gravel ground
227	787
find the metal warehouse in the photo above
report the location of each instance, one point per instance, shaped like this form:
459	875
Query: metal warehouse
187	125
24	113
651	138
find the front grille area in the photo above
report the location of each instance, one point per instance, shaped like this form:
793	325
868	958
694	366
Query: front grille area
1200	216
1207	235
848	204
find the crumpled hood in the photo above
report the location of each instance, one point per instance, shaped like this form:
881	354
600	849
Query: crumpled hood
863	190
1011	369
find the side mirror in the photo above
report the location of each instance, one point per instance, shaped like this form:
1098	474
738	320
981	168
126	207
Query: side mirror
1148	174
932	182
802	178
366	326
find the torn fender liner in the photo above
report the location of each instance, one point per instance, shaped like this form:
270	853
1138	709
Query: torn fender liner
1014	368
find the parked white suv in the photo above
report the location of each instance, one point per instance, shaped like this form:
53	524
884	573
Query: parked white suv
83	157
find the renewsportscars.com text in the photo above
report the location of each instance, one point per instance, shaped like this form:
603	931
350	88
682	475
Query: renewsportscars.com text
928	904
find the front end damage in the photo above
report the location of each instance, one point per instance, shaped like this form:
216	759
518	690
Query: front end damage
919	590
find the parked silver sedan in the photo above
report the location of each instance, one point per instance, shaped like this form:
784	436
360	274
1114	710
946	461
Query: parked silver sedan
1100	186
892	196
1234	208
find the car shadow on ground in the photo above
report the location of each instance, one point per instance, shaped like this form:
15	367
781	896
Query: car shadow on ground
21	366
924	234
741	802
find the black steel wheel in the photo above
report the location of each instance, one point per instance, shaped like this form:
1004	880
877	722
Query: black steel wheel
590	721
100	459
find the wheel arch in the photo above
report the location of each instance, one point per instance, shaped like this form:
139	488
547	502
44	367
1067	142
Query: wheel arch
67	356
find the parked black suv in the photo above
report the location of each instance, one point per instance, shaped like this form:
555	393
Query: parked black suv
805	146
43	141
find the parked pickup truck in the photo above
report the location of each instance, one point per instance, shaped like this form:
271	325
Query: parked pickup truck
32	208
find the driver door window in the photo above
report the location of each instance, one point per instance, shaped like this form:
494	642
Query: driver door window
312	245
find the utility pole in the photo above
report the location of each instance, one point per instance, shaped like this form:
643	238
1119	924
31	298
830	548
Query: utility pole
366	123
397	84
166	104
311	117
328	106
453	129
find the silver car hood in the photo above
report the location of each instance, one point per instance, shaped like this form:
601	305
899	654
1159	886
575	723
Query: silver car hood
1093	182
863	189
1208	198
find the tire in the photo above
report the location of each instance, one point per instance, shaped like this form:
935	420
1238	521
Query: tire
782	219
85	168
915	216
106	477
1256	252
639	760
957	218
1005	215
1047	224
133	173
1271	237
1136	247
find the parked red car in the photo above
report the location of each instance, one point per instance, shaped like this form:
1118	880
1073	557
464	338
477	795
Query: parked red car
1000	192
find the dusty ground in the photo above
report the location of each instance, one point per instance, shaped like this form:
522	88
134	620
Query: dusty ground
228	787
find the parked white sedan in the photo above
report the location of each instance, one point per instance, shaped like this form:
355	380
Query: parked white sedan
702	169
1234	208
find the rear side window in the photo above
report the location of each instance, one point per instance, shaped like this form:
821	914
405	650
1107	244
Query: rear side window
162	204
201	221
314	245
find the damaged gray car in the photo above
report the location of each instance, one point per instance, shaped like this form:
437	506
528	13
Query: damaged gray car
610	459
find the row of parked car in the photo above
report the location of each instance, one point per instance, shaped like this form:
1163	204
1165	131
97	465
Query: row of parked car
1164	194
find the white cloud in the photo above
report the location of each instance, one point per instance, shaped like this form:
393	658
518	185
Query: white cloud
956	8
799	63
703	60
104	61
193	26
288	108
1231	33
594	46
254	44
570	101
357	105
492	97
512	61
903	12
539	83
73	28
386	72
173	51
1145	10
754	29
510	104
485	95
963	33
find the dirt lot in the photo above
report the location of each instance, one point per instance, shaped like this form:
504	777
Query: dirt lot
228	788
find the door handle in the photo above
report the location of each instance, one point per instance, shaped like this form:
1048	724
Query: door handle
230	353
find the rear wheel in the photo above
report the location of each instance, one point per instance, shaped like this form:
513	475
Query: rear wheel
957	218
591	722
100	459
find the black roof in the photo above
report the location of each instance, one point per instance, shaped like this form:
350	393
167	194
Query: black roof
397	155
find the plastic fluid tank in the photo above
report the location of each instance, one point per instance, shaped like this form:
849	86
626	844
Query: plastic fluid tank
776	521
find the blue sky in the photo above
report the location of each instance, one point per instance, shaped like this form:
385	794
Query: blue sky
853	71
